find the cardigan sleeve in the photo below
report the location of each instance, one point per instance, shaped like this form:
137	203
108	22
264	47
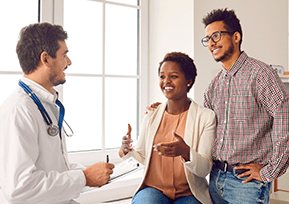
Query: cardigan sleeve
200	162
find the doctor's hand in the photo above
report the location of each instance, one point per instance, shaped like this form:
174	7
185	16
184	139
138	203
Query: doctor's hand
152	107
98	174
126	143
173	149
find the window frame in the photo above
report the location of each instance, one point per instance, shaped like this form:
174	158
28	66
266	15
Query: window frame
52	11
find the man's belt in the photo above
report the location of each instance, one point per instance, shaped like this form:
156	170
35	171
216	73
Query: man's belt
224	166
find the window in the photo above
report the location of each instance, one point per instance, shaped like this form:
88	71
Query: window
106	84
10	70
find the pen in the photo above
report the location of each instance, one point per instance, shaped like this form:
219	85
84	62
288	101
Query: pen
107	158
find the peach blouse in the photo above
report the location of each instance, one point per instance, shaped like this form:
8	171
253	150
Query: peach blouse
167	173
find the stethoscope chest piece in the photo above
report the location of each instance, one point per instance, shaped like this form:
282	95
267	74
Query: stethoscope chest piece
52	130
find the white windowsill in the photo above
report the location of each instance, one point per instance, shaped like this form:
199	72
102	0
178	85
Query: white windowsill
91	157
119	189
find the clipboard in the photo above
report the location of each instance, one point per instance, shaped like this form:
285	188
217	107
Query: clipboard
124	168
120	170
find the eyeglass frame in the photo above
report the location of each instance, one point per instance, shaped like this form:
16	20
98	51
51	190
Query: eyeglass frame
219	34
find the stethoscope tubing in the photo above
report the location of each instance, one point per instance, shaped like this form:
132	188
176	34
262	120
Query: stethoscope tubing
52	129
37	101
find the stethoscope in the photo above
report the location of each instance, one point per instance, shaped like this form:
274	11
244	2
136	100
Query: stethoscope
52	130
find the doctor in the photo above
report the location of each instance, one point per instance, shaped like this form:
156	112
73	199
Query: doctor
33	159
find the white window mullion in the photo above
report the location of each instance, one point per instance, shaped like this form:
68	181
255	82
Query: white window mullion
103	79
58	12
144	41
52	11
47	11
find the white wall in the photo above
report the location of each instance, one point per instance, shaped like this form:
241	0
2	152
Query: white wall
170	29
265	35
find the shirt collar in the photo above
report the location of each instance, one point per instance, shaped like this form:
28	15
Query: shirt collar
237	65
42	93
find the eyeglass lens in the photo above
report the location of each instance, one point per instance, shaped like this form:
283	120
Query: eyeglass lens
216	36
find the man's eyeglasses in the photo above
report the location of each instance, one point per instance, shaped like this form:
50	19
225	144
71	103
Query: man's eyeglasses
216	37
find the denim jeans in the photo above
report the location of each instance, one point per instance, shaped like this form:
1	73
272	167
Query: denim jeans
228	188
151	195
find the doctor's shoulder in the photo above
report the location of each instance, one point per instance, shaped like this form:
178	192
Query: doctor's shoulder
17	104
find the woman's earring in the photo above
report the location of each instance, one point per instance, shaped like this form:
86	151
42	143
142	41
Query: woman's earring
189	85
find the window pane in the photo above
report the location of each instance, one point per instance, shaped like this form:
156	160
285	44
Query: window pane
10	82
131	2
83	104
83	23
14	15
121	109
121	40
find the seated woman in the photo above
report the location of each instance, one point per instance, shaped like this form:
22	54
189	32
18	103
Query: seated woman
175	140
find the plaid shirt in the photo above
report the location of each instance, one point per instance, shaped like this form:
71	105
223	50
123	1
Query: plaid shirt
252	109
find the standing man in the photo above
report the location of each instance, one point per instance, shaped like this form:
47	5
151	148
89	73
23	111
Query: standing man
252	109
34	167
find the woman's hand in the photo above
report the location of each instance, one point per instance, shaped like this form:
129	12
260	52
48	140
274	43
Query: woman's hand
174	149
126	143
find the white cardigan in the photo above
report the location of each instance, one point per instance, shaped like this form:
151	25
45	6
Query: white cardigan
199	135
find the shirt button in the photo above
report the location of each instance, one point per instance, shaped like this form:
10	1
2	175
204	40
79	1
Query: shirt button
225	121
226	102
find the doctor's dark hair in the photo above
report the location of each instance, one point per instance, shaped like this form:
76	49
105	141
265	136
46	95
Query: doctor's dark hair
186	64
35	39
229	18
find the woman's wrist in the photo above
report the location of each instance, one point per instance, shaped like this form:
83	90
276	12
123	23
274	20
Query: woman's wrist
186	155
121	153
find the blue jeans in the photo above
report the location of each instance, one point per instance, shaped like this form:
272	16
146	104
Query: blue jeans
228	188
151	195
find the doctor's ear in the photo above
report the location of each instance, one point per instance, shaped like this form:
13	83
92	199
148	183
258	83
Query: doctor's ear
44	57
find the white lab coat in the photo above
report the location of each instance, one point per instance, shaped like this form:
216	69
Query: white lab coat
34	167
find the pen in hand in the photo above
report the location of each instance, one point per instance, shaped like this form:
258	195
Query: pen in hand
107	158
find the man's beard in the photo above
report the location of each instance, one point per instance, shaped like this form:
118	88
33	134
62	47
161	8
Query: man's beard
55	81
227	54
